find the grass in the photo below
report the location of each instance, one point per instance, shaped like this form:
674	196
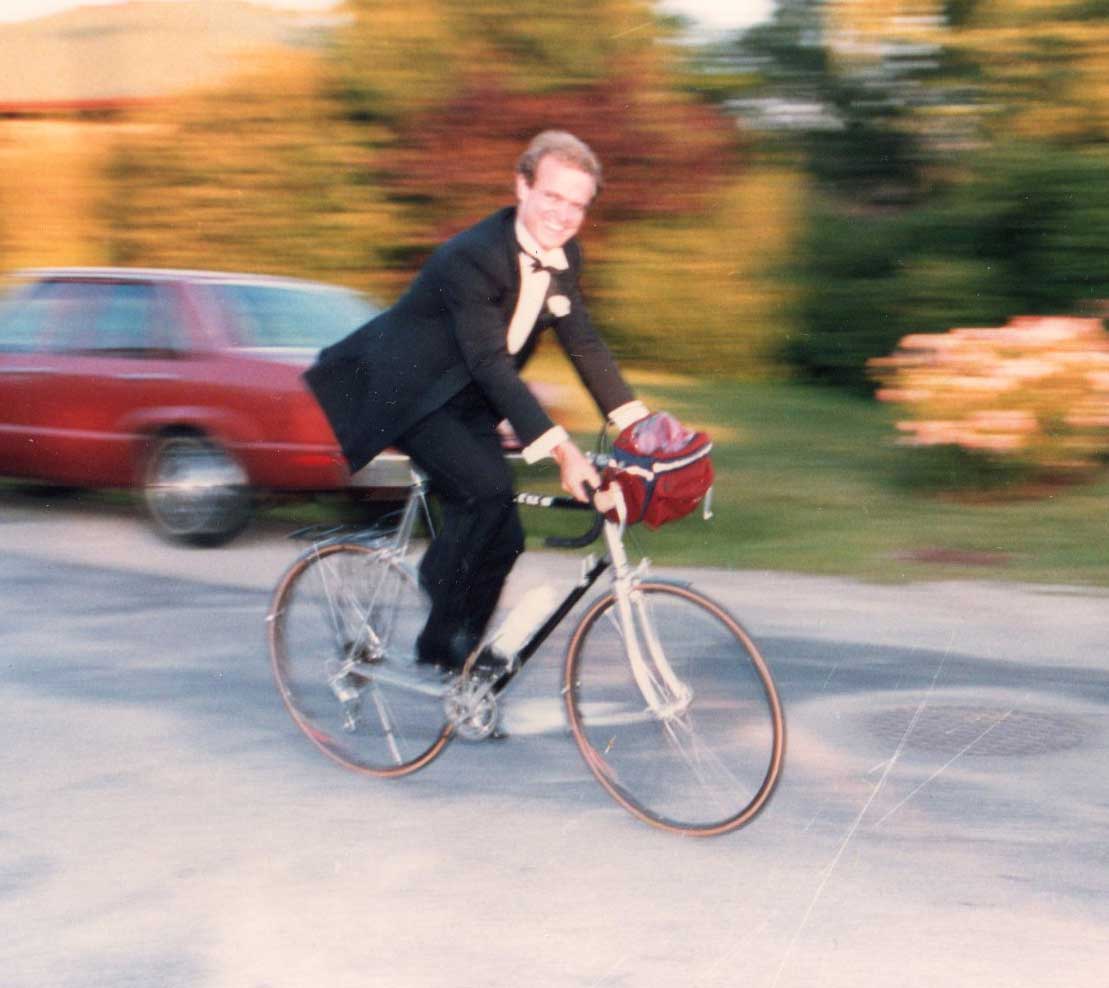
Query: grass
810	480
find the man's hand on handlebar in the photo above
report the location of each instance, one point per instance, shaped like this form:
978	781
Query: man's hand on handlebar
608	499
576	471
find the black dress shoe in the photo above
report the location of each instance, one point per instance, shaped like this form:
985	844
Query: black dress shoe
436	663
450	655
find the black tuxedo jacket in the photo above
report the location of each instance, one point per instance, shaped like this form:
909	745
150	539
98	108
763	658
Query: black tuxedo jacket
449	330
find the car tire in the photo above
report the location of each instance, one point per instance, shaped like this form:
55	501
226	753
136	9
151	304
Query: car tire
195	491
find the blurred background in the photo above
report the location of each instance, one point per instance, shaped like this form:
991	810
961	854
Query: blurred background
864	242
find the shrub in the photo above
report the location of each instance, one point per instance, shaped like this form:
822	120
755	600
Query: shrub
1022	229
1033	393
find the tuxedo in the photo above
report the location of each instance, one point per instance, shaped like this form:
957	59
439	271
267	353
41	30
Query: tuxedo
448	331
435	373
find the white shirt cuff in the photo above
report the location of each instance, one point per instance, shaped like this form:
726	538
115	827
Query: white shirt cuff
627	414
544	445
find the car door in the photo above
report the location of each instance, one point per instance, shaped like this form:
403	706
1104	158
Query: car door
119	354
28	368
107	348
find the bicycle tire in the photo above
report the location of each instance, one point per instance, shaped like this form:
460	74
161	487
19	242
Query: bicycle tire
704	768
341	631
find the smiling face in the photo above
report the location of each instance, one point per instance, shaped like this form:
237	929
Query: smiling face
553	207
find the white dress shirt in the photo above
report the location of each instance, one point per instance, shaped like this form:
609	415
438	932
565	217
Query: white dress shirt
533	291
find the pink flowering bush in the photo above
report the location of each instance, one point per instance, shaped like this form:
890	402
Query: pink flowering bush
1034	393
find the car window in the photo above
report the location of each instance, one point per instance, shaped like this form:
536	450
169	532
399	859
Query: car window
282	316
25	317
117	318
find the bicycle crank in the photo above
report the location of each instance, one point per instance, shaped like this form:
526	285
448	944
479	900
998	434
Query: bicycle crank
471	708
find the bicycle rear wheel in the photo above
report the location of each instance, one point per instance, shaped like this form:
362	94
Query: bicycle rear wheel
342	629
703	757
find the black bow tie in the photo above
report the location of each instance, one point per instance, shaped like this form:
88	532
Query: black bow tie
537	266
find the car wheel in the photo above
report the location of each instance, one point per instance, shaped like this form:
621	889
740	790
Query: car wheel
195	492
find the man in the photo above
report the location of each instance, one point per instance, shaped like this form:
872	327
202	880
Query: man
436	372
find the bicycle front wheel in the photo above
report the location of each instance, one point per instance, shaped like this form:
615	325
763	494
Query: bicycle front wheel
674	709
342	631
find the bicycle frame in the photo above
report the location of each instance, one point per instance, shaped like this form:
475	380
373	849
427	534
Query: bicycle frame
415	507
392	542
663	694
631	611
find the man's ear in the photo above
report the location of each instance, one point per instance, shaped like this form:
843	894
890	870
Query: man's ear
522	186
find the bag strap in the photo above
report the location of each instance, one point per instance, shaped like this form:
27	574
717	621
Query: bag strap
649	467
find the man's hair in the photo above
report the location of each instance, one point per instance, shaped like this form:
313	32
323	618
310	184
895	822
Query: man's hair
566	148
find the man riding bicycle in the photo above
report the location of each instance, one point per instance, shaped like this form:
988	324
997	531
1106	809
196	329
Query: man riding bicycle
435	374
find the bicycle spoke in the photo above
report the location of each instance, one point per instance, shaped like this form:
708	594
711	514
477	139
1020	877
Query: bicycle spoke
711	770
336	591
357	607
387	725
692	739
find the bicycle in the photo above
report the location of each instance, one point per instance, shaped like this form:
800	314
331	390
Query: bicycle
669	701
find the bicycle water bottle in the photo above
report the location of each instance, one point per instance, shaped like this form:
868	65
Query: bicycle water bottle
525	618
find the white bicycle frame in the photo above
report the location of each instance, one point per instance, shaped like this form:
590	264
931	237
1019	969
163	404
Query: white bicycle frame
665	694
394	547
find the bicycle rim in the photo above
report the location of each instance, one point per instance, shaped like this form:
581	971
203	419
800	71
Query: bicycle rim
703	758
342	629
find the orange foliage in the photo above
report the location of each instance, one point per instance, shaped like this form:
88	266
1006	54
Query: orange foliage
662	154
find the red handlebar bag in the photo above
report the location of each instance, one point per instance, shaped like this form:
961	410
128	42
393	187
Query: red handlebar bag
663	469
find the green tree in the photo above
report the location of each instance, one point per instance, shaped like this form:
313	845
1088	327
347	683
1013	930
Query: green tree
1004	166
1040	66
844	93
1024	232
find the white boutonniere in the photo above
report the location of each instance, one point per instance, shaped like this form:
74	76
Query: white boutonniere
559	306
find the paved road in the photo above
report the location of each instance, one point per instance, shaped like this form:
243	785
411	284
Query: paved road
943	818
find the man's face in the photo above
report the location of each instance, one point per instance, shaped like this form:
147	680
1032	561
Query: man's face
553	207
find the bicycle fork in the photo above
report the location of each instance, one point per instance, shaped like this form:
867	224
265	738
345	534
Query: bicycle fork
663	691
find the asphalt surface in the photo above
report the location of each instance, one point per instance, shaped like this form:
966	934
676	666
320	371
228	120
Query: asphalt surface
942	819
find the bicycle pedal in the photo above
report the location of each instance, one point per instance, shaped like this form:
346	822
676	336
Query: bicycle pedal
345	690
361	653
350	723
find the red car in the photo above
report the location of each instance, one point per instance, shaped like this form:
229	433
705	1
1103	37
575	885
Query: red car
184	383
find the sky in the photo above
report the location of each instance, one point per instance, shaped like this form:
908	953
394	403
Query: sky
711	14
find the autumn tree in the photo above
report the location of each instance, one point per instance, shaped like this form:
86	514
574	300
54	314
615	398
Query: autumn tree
265	173
351	162
1041	67
463	87
400	58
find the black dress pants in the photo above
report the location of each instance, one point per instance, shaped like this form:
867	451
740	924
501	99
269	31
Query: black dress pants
480	535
